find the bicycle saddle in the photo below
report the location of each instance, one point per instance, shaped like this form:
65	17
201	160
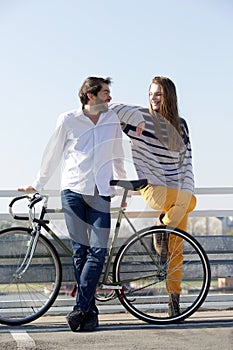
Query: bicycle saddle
133	185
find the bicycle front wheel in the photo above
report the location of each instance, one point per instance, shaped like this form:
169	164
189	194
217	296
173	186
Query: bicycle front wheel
150	277
26	292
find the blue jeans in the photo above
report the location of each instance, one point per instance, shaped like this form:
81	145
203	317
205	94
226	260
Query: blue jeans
88	222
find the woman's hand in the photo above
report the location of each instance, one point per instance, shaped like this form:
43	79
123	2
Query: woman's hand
140	128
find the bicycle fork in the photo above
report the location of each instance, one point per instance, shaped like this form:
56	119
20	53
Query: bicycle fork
29	254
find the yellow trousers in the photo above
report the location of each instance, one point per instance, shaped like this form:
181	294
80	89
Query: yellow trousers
175	205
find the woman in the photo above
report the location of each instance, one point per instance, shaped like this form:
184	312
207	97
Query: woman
162	154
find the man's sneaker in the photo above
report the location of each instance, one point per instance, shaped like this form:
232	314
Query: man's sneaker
74	319
90	322
174	305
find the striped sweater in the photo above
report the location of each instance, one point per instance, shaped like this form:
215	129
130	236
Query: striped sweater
153	156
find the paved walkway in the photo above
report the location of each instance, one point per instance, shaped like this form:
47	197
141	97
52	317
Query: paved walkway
203	331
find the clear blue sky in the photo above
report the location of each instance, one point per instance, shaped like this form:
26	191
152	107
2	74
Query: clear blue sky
48	47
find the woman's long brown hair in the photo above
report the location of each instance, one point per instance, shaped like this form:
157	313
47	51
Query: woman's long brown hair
169	106
169	110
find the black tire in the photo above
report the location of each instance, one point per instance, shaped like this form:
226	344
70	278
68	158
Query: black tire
144	278
27	297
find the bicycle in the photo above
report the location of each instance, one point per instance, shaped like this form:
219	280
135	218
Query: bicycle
31	270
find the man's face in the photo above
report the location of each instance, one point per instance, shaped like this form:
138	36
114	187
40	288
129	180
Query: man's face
102	99
104	94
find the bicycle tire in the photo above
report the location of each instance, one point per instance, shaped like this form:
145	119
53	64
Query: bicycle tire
26	298
144	279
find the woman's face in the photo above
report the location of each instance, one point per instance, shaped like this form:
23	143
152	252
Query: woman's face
155	96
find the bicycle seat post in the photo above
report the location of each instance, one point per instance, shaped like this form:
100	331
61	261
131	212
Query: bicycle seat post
123	200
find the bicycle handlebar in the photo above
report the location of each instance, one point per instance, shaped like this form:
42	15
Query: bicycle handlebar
36	198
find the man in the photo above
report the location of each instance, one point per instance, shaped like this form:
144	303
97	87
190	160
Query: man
90	143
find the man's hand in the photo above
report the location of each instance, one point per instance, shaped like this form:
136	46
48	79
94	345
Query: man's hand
140	128
28	189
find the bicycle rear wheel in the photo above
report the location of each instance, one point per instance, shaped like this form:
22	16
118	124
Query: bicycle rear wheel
148	278
24	298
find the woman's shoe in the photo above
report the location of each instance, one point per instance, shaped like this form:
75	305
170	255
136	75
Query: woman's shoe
174	305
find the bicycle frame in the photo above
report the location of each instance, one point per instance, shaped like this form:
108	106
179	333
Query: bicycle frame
36	225
121	215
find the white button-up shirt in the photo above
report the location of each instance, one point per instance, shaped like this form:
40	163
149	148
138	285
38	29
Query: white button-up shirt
92	153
